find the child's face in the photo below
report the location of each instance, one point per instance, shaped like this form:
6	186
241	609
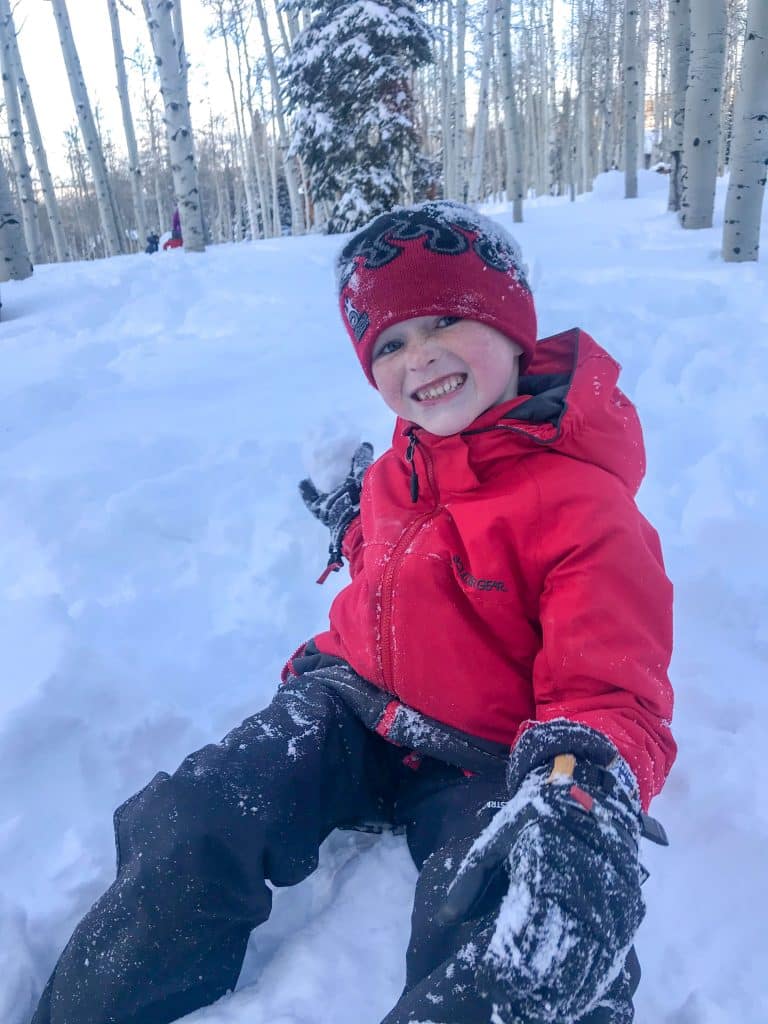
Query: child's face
443	372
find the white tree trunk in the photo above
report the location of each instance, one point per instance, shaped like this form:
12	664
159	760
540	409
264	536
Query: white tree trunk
749	148
643	42
60	244
289	164
584	140
460	119
514	175
242	143
631	96
680	52
134	166
15	264
159	213
112	240
608	96
172	69
253	143
259	150
481	121
448	96
547	49
22	170
702	112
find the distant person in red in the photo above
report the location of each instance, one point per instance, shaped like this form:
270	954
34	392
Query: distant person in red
175	241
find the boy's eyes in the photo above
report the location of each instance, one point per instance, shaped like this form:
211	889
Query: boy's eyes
388	347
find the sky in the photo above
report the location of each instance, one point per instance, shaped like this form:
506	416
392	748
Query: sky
49	86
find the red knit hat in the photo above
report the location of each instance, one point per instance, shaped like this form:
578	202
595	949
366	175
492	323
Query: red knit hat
435	259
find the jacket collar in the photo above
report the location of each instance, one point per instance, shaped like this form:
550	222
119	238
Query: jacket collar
569	400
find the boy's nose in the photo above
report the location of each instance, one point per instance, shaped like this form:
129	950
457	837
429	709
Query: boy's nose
422	353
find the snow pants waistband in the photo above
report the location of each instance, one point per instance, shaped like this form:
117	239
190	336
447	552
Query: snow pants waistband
383	713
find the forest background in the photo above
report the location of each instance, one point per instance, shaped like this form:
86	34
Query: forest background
317	115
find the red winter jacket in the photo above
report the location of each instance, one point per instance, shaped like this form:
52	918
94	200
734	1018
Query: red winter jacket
522	583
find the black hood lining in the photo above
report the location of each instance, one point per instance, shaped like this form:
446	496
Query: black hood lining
548	393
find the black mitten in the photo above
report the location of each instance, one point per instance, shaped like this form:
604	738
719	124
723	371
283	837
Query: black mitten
337	508
568	838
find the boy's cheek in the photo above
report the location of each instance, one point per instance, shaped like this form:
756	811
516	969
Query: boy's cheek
390	393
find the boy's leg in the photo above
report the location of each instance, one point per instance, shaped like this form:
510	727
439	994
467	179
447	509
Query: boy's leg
443	812
194	850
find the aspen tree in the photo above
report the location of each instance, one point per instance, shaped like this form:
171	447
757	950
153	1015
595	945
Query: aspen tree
481	121
257	144
288	162
586	148
448	99
84	218
111	232
134	165
702	112
661	81
494	179
153	159
460	101
680	52
737	28
631	96
514	176
749	149
223	30
22	170
171	63
60	244
607	94
15	263
547	51
643	40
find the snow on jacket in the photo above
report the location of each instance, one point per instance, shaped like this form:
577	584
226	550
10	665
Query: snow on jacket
504	574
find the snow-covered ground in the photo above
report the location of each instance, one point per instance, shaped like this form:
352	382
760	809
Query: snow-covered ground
157	566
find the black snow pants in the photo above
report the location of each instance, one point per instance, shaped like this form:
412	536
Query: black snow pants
196	848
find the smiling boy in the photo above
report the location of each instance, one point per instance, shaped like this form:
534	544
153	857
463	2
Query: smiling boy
492	680
443	372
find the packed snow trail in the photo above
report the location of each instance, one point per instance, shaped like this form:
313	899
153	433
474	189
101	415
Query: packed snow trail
157	566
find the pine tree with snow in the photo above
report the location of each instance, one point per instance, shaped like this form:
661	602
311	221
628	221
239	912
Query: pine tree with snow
348	84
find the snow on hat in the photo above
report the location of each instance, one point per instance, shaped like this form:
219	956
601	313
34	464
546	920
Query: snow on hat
437	258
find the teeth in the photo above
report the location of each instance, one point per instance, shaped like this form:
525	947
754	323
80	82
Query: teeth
445	388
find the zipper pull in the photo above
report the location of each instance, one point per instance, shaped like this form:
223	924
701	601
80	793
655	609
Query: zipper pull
409	458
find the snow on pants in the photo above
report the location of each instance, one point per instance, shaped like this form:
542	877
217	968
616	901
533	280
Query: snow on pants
196	848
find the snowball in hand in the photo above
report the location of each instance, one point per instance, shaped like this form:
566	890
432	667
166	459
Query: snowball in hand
327	458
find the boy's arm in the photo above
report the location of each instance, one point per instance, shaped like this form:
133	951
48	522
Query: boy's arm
606	621
339	509
352	546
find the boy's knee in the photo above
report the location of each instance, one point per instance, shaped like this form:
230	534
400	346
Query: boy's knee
167	821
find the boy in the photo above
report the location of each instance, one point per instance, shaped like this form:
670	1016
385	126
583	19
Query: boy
493	679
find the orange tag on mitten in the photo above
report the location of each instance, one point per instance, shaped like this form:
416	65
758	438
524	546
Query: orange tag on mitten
562	768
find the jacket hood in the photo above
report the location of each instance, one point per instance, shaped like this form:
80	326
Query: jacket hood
569	401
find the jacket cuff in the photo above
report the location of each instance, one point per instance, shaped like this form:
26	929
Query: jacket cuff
543	741
352	544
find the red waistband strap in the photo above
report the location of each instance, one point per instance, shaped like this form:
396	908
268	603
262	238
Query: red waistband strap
386	721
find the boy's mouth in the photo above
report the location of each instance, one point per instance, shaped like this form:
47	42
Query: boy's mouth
438	388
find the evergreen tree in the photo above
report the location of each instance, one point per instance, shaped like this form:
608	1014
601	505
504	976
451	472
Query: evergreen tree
348	85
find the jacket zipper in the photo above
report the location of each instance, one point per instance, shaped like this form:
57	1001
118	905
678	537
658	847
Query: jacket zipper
388	580
409	457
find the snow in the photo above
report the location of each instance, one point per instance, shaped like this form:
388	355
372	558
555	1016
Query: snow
157	566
